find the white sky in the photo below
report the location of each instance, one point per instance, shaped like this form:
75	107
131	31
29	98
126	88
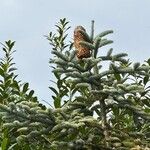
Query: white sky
27	21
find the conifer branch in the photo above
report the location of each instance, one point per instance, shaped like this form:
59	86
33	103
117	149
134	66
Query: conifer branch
119	95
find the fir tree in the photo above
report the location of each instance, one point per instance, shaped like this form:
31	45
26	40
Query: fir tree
97	107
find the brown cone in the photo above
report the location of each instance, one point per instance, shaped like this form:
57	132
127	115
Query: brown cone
82	51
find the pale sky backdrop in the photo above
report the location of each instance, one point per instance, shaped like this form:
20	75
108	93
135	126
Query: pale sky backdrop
27	21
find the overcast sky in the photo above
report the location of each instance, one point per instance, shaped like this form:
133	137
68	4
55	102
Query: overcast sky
27	21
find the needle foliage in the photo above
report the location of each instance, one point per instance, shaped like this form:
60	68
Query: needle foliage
100	103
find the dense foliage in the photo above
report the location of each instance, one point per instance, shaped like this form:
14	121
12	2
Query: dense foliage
101	102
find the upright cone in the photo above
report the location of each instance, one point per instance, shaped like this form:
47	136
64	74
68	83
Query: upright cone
82	51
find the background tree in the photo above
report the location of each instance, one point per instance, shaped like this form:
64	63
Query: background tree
101	102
